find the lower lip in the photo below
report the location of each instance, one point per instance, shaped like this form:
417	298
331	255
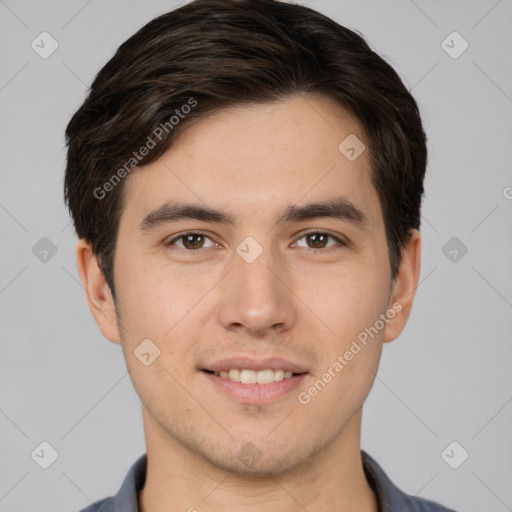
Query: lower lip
256	393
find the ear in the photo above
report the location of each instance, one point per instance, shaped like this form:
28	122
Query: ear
97	292
404	286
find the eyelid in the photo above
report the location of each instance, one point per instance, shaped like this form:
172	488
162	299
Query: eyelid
341	241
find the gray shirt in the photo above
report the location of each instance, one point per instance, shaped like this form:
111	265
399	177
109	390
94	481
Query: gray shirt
389	497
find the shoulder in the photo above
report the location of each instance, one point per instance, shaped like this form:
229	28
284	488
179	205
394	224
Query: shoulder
104	505
390	497
126	499
415	504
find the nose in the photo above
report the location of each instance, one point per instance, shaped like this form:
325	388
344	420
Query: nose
257	296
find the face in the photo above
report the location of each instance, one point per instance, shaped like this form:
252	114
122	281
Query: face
264	286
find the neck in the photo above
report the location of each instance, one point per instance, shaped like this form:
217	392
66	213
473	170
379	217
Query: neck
180	480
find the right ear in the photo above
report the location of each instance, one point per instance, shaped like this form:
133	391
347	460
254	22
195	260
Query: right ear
97	292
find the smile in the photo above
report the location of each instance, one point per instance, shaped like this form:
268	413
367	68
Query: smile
254	377
255	387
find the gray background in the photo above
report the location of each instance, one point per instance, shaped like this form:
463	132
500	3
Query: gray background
447	378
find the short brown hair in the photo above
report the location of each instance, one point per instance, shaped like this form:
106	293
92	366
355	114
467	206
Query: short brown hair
223	53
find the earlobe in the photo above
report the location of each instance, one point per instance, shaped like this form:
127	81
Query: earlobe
97	291
404	288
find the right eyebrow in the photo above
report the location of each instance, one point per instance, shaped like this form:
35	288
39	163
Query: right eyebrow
172	212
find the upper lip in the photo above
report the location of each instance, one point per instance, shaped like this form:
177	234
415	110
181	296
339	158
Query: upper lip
255	364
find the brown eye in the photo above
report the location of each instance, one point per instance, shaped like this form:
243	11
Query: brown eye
193	241
189	241
319	240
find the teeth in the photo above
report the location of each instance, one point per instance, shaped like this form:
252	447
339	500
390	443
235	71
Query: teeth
248	377
234	375
253	377
278	374
265	376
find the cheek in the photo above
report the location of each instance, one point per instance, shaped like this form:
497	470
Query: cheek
351	353
347	300
153	299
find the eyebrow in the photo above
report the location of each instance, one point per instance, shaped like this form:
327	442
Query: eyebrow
338	208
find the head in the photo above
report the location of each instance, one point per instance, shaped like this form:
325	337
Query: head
229	119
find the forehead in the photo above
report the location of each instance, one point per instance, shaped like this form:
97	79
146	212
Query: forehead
256	158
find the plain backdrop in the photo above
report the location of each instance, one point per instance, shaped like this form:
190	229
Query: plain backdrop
446	379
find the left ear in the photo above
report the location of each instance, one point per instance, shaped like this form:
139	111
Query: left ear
404	287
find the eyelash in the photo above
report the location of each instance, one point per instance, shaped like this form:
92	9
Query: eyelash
341	243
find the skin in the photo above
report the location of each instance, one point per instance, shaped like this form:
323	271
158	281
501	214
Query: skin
291	302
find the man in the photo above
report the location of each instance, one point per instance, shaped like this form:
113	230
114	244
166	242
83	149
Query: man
245	179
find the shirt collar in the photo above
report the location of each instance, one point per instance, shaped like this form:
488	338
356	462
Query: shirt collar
389	497
126	500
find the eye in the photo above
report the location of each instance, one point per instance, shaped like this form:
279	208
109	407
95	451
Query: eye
192	241
319	239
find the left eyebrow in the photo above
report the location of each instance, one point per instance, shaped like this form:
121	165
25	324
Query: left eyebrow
337	208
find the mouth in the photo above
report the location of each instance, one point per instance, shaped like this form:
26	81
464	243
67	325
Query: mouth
253	381
246	376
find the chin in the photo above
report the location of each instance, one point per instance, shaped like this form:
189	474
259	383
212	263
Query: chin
263	459
264	467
